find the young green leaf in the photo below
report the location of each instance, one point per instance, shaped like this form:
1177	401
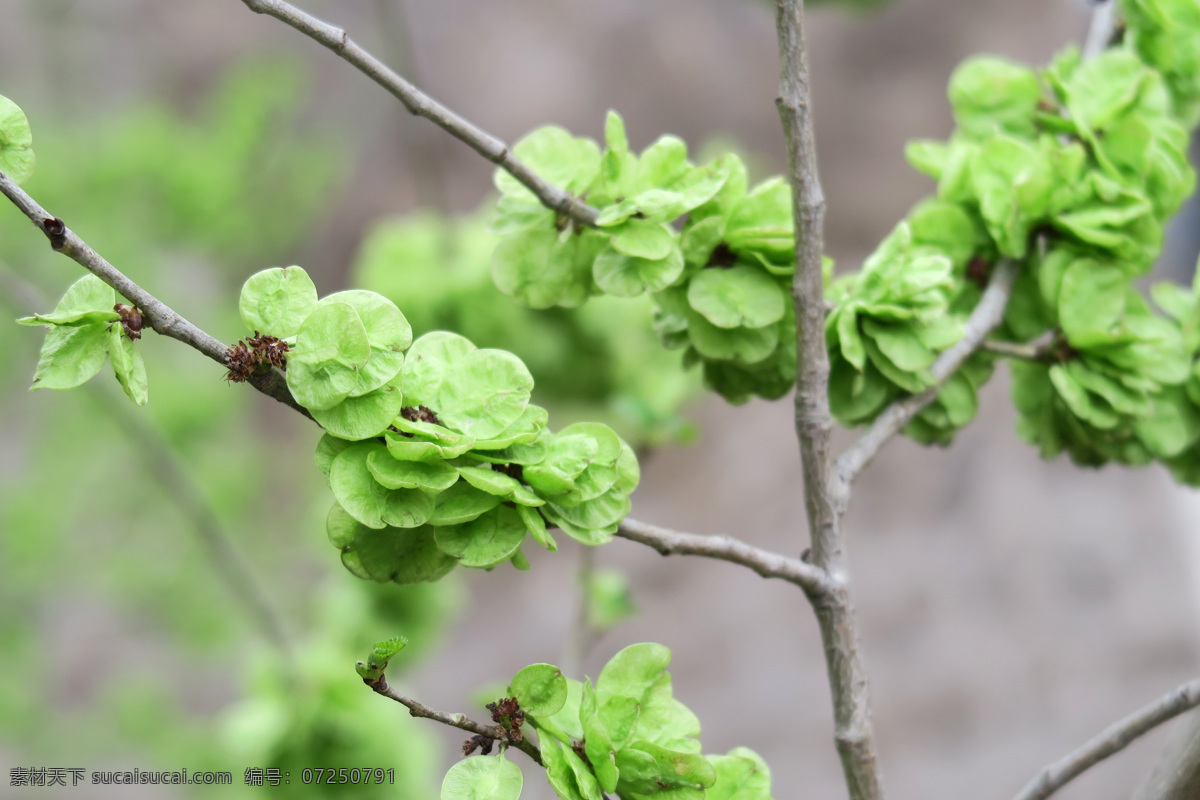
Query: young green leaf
70	357
87	301
355	487
747	345
742	774
629	276
431	476
566	773
401	555
558	157
362	417
16	142
461	503
388	334
485	541
340	528
276	301
991	94
643	239
477	392
541	689
633	671
383	652
536	525
741	296
327	449
331	348
128	365
482	778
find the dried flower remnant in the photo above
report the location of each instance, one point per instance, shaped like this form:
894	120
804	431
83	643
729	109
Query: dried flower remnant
420	414
478	742
255	354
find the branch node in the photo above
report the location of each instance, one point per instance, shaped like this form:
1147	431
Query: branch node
56	231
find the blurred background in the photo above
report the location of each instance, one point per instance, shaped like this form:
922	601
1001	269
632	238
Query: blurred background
167	595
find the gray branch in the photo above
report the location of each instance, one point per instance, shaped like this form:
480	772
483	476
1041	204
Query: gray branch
983	320
1100	32
422	105
156	313
812	579
1028	351
1177	774
853	732
1111	740
459	721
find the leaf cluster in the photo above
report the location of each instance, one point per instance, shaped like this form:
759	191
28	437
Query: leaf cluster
84	332
719	279
17	159
439	268
1166	35
433	450
892	319
1073	172
625	734
377	661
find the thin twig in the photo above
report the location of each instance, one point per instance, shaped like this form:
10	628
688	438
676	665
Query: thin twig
1111	740
853	732
983	320
1022	351
459	721
1100	32
422	105
1176	776
159	316
810	578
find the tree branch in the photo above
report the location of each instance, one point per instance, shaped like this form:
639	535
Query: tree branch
422	105
812	579
1176	776
157	314
1111	740
1100	32
459	721
983	320
853	733
1027	351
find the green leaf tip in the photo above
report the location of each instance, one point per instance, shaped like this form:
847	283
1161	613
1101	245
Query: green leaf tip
541	689
16	142
84	332
384	651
